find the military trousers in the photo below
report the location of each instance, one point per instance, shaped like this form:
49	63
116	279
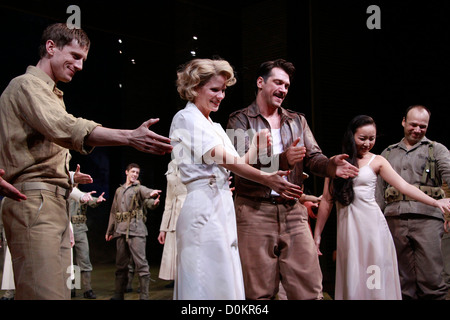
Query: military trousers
135	248
38	235
276	244
417	240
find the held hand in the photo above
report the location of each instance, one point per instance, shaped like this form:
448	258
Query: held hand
108	237
295	153
81	178
8	190
284	188
343	168
143	139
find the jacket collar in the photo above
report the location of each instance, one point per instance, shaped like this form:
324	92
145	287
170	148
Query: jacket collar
254	111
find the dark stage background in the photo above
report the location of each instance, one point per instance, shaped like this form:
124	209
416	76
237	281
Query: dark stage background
343	69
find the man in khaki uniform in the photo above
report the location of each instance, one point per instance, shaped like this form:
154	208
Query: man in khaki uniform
36	134
127	224
78	215
417	228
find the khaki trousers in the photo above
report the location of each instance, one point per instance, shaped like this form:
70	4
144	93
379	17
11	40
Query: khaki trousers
275	243
38	235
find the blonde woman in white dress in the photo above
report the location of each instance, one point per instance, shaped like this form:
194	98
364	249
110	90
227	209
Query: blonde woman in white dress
366	261
208	263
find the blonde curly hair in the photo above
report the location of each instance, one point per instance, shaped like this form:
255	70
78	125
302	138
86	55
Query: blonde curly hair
198	72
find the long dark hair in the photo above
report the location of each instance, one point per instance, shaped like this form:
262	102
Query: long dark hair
343	188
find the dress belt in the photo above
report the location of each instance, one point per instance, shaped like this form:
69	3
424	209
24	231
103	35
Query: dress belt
35	185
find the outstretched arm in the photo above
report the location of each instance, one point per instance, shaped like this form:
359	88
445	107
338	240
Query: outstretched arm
393	178
274	180
339	167
141	138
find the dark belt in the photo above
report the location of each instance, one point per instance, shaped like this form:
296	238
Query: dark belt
34	185
271	199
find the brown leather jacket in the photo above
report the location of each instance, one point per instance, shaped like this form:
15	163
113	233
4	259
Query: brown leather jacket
293	125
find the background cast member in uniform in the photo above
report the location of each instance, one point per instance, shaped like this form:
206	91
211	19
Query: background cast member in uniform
417	228
127	225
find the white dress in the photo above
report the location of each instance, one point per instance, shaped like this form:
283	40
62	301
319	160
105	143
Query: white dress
208	263
366	266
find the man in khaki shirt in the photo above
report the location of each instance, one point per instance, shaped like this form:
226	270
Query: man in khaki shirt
417	228
127	225
36	134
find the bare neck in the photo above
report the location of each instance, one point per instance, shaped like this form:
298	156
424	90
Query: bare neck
44	65
270	113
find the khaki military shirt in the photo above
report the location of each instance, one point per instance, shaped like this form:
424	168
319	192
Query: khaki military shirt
36	131
123	202
410	165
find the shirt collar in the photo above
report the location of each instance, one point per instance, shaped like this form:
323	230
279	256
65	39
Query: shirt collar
424	140
39	73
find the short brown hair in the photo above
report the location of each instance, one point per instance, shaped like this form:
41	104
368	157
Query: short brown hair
265	69
133	165
62	35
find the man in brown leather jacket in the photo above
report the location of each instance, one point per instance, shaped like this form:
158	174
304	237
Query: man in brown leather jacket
275	241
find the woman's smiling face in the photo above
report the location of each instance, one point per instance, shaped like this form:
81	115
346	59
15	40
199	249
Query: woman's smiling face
210	95
365	137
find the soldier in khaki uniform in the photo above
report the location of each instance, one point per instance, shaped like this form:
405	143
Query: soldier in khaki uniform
127	224
78	210
36	133
417	228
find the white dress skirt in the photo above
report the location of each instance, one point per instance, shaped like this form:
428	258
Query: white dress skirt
208	263
366	261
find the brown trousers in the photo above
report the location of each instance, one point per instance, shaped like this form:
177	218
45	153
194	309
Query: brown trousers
38	235
275	243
